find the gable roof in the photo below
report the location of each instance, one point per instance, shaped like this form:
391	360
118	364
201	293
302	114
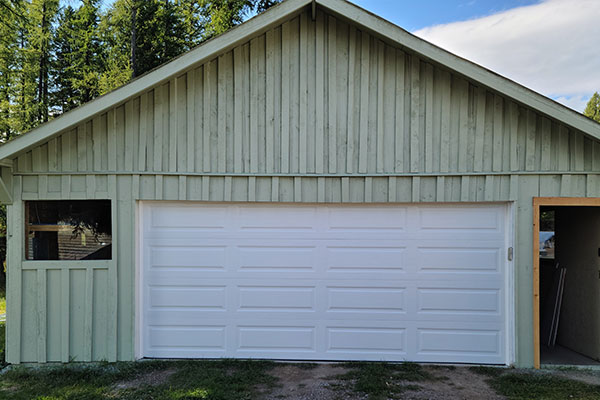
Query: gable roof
279	14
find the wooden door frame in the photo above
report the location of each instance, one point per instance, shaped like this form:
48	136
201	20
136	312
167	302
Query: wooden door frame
537	203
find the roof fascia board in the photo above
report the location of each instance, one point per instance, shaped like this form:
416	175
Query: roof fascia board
462	66
200	54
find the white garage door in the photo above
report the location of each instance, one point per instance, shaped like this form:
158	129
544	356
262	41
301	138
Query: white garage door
322	282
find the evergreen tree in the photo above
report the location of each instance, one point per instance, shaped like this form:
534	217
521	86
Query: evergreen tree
87	50
115	36
52	60
204	19
33	58
64	95
42	15
11	10
8	70
592	110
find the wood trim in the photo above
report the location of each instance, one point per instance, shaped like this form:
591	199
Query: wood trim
66	264
536	285
25	256
566	201
305	175
537	203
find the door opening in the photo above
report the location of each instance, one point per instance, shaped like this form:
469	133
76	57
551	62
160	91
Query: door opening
567	276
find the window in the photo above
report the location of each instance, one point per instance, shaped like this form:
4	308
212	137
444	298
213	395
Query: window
68	230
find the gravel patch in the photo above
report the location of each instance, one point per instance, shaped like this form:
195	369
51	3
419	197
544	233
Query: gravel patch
310	382
153	378
299	382
456	383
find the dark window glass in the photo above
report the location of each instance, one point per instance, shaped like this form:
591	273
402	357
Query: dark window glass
68	230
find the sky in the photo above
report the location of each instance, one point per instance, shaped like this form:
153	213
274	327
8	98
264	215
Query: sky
549	46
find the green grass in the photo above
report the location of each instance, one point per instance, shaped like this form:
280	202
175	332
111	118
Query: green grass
214	380
2	326
2	301
2	343
385	381
536	385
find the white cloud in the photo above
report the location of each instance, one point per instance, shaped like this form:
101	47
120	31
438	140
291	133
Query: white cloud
551	47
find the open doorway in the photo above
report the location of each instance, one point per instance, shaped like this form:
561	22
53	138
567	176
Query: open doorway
568	257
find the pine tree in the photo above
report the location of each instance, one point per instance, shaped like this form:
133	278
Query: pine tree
8	68
32	87
64	95
10	10
87	50
592	110
115	37
52	60
139	35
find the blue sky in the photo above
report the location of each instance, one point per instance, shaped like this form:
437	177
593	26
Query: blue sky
549	46
412	15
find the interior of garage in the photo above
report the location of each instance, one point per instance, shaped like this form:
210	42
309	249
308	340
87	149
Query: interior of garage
570	285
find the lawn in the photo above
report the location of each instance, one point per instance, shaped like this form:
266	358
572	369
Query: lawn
2	301
534	385
171	380
231	379
2	325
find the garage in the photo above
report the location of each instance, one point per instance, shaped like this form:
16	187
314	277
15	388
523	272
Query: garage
324	282
314	184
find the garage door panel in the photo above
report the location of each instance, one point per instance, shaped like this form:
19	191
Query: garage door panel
458	259
277	338
359	299
376	340
275	258
276	298
278	219
325	282
459	344
212	218
187	337
197	296
379	221
459	301
365	258
204	257
455	219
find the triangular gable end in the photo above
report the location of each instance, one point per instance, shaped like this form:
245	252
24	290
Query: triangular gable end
382	29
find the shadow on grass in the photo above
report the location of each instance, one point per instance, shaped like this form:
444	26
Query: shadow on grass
536	385
215	380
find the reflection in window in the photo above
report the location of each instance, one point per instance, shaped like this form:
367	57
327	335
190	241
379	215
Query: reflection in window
68	230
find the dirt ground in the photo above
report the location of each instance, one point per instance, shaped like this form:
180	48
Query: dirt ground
299	382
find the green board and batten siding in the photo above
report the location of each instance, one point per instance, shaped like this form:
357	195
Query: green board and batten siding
308	111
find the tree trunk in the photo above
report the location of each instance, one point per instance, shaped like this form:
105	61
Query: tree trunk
43	66
134	67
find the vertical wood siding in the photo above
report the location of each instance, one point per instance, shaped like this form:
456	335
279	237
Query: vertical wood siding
309	111
313	97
